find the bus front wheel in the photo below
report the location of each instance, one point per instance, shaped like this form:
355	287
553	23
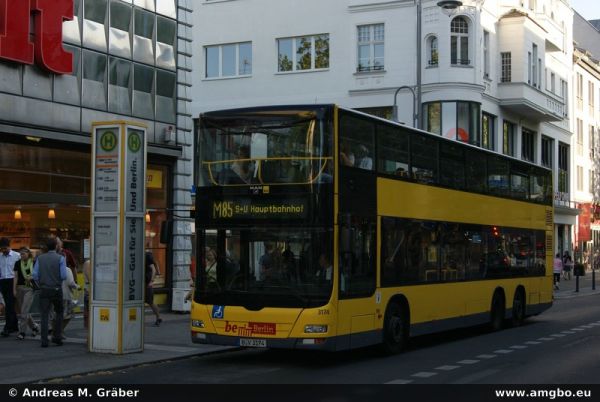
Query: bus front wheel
395	328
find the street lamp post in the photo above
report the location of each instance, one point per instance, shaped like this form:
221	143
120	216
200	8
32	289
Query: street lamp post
415	116
446	5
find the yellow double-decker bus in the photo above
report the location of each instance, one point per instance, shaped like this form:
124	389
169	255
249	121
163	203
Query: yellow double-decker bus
325	228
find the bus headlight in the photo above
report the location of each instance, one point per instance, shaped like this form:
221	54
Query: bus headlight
198	323
315	329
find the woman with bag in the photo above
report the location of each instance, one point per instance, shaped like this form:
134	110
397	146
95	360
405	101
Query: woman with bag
567	266
68	285
23	288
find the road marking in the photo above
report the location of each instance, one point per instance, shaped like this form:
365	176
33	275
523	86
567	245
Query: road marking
532	343
468	361
558	335
545	339
568	332
424	374
447	368
586	326
518	347
503	351
486	356
399	382
577	329
475	377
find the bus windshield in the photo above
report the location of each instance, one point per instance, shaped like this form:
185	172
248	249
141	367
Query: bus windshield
268	147
266	267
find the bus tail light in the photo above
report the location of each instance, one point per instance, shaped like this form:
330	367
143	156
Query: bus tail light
198	323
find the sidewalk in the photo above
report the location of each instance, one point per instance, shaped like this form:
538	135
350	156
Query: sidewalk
25	361
567	288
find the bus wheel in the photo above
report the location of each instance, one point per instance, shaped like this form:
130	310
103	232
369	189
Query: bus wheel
395	329
497	313
518	309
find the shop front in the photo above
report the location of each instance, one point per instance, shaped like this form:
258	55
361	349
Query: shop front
45	190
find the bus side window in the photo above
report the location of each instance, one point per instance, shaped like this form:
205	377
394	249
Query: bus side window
357	141
357	258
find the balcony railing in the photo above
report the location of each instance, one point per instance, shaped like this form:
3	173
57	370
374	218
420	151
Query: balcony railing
564	200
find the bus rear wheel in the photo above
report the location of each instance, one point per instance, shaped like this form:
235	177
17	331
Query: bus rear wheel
395	329
518	309
497	313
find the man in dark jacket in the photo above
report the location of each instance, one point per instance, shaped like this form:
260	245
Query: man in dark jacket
49	271
8	258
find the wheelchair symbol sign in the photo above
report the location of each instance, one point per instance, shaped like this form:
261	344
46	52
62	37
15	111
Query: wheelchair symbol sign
218	312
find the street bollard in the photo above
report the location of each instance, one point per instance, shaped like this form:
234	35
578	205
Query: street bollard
577	283
594	279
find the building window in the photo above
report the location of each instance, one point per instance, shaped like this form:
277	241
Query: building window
534	67
488	131
579	178
486	54
591	98
552	82
371	47
579	137
303	53
592	142
564	93
579	90
506	70
455	120
432	51
528	145
508	138
459	42
547	151
591	178
231	60
120	79
563	168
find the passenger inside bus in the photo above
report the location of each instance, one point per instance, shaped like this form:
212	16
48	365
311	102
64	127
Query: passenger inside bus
241	170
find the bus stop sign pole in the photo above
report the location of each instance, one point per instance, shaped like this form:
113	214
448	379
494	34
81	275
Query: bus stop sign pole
117	237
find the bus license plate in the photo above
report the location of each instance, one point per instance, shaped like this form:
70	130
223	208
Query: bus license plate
253	343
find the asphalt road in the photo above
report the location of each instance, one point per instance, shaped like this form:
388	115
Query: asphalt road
561	346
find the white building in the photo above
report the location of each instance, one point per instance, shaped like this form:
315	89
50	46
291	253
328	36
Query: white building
586	120
494	73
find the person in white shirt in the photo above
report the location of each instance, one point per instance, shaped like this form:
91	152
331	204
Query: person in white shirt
364	161
8	258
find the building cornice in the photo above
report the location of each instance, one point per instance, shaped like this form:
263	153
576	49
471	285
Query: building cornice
382	5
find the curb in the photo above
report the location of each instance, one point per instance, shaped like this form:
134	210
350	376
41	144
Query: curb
129	366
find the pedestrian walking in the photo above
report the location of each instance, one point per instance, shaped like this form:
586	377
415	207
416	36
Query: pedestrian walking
68	285
23	289
567	266
8	259
149	274
557	269
49	271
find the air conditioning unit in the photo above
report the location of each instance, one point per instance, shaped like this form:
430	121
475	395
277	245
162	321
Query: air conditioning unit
179	304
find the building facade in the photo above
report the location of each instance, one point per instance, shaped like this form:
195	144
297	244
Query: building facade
492	73
586	123
126	60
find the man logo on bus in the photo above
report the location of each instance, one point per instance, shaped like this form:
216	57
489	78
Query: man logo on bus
108	141
218	312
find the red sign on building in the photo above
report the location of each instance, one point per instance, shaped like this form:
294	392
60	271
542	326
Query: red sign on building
46	49
584	232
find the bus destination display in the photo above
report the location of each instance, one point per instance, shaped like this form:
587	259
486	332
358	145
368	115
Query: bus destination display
258	209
